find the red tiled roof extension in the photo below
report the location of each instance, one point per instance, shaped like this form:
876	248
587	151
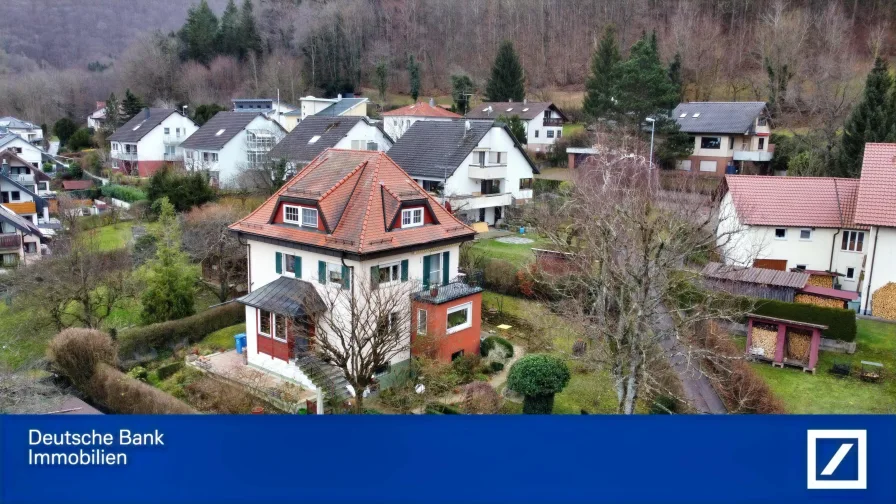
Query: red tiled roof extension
358	193
422	109
877	187
825	202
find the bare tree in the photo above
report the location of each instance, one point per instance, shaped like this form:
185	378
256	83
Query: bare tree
360	330
208	241
629	242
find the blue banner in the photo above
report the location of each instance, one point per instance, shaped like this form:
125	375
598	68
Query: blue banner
396	459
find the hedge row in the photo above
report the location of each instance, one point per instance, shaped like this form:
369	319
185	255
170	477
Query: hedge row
841	323
186	330
129	194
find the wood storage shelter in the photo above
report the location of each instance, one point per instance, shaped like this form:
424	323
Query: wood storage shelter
756	282
824	296
782	341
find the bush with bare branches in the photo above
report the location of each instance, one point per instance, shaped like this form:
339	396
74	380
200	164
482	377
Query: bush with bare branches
481	399
77	352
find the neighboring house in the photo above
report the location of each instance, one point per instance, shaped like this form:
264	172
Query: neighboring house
273	109
20	239
544	121
785	223
478	167
726	135
97	119
333	107
18	189
149	140
349	222
76	185
397	121
229	143
31	153
26	174
29	131
316	134
877	209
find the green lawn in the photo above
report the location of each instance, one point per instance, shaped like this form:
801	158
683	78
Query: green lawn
111	237
570	128
824	393
519	254
221	339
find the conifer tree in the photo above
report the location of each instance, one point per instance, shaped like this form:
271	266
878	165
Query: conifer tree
131	105
642	85
113	113
414	77
170	280
382	79
507	81
229	34
676	78
873	119
461	90
199	34
599	94
249	35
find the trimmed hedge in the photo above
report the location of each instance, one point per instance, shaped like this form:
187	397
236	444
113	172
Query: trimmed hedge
189	329
841	323
129	194
488	344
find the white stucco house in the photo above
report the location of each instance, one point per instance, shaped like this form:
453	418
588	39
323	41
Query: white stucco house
316	134
149	140
350	226
27	130
229	143
272	108
787	223
477	167
544	121
877	209
397	121
348	106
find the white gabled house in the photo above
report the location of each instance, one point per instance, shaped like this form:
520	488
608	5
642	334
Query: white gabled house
543	120
349	222
316	134
275	110
29	131
149	140
229	143
477	167
877	209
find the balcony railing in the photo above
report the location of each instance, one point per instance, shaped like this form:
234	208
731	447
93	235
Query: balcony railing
479	200
553	121
172	139
23	178
10	241
125	155
172	157
488	171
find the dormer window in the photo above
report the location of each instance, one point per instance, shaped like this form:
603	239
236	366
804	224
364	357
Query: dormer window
305	217
412	217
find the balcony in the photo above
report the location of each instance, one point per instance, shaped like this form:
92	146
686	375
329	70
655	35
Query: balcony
488	172
125	155
172	157
10	241
755	155
172	139
477	200
553	121
23	179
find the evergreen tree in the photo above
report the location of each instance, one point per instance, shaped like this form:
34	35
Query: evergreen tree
204	112
169	278
673	144
131	105
229	40
64	129
414	76
461	92
507	81
199	34
643	88
599	96
382	79
676	78
249	35
873	119
516	126
184	189
113	113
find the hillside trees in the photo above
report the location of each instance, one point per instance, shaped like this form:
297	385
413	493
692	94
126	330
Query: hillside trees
199	34
872	120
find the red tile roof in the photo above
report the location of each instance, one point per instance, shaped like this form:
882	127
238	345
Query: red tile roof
422	109
825	202
877	187
76	185
358	193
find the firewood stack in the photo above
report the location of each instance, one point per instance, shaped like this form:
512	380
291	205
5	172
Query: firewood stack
821	281
798	343
765	338
883	302
818	301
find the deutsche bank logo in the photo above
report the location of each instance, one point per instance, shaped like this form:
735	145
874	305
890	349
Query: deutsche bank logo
837	460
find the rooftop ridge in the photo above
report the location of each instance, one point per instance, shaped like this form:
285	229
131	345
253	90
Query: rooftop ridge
343	179
373	182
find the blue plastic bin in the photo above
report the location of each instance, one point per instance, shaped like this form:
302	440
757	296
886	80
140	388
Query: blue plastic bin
522	230
240	342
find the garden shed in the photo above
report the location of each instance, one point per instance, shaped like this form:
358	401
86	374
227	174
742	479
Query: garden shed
782	341
757	282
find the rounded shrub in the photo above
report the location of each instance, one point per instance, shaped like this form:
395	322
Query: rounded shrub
492	342
538	377
481	399
76	352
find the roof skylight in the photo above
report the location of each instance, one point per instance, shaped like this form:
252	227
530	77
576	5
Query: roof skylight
696	115
220	131
315	138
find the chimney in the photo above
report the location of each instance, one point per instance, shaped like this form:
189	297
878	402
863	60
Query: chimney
525	101
100	104
339	97
432	102
146	113
467	125
4	169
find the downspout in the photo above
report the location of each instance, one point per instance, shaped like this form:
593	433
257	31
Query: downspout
871	270
833	244
840	216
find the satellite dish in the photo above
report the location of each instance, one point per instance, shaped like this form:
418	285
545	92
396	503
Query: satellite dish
420	388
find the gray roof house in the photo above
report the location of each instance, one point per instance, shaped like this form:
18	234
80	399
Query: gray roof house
140	125
718	117
477	167
543	120
316	133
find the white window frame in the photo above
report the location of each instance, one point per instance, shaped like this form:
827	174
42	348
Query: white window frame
270	323
855	241
422	316
806	230
412	217
393	267
274	328
781	237
303	213
287	219
466	325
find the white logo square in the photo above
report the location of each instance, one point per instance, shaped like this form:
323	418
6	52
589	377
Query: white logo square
861	445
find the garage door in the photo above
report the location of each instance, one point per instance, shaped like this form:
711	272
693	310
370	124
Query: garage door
708	166
684	165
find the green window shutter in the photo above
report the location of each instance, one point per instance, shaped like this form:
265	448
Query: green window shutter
346	278
445	257
297	266
279	263
425	271
404	270
374	277
322	272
